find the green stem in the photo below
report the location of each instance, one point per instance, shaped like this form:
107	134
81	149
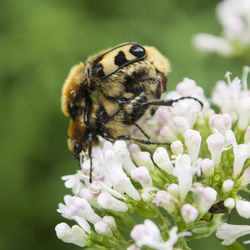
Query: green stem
235	246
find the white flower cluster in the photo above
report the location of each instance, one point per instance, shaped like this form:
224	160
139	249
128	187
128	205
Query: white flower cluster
207	163
234	16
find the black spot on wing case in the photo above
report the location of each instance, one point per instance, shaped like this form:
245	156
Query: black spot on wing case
119	57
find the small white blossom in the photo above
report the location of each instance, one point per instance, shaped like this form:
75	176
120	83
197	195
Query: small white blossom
166	200
245	178
184	171
234	17
189	213
221	122
101	227
107	201
227	185
207	167
74	235
177	147
229	203
216	144
142	175
110	221
162	160
76	206
230	233
240	156
193	143
173	189
243	208
148	234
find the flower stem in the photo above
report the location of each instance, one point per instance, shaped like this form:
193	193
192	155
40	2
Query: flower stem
235	246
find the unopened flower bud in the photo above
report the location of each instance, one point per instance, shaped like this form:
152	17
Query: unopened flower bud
173	189
193	143
164	115
102	228
227	185
124	155
107	201
216	143
240	156
144	159
87	194
75	235
181	124
166	133
142	175
177	147
208	197
166	200
245	178
207	167
221	122
229	203
189	213
110	221
243	208
243	109
134	149
161	158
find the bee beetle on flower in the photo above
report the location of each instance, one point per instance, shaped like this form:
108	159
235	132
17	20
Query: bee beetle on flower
111	92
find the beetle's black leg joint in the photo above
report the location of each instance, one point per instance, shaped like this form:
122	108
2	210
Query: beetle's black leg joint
128	137
142	131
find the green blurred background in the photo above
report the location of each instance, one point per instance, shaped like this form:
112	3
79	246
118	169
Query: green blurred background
39	42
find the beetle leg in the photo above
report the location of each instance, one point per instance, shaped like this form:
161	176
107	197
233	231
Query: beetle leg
171	101
128	137
142	131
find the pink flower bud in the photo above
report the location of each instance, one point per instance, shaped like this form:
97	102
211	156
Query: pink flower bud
165	115
167	134
221	122
107	201
189	213
142	175
173	189
161	158
207	167
166	200
75	235
134	149
187	87
216	144
87	194
208	197
110	221
180	124
177	147
103	228
193	143
144	159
